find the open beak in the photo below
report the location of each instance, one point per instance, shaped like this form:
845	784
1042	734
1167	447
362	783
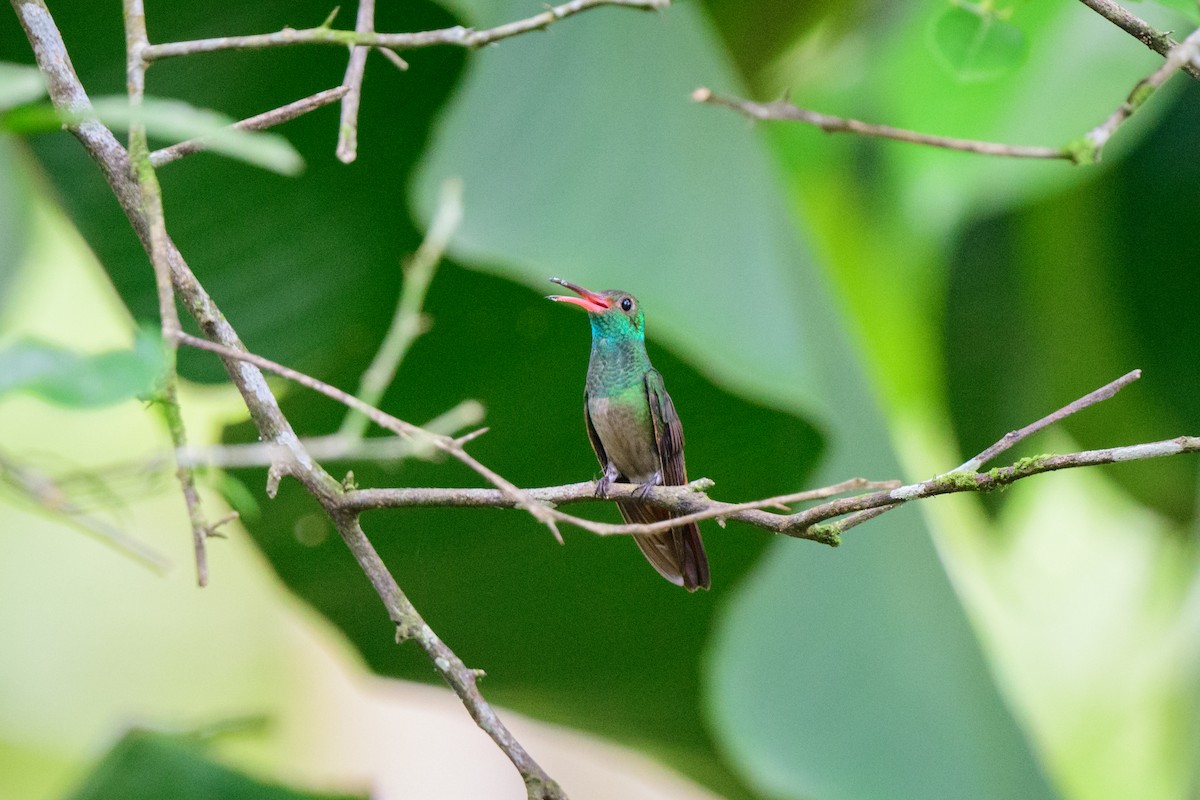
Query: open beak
590	301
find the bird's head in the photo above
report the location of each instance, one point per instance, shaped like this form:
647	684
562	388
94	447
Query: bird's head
614	314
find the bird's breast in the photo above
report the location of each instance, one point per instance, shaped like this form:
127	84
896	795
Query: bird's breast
627	434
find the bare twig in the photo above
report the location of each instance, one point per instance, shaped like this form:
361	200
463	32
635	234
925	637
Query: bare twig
337	447
782	110
457	36
447	445
1184	54
408	322
1085	150
267	119
993	479
1012	437
394	57
151	208
70	98
971	466
1138	28
49	496
694	505
347	145
462	679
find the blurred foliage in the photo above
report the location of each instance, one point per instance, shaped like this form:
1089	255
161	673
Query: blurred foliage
977	43
145	764
19	83
14	221
73	379
1078	288
169	122
811	300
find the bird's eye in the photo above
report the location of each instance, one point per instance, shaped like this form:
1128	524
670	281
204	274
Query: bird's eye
626	304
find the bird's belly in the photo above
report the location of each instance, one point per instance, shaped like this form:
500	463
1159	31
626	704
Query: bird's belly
627	437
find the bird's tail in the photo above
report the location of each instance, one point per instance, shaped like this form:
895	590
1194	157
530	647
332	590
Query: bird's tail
677	554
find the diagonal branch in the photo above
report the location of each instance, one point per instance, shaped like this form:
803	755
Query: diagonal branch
1012	437
449	446
457	36
70	98
408	322
51	497
152	212
1138	28
1182	55
258	122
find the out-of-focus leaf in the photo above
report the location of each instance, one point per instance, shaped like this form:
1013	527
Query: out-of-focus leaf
976	44
171	121
19	84
73	379
15	212
601	185
1068	294
592	164
147	765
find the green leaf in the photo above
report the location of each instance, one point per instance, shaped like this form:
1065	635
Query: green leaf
975	44
144	764
19	84
77	380
634	187
171	121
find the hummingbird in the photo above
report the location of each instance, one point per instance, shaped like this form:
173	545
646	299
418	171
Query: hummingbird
632	425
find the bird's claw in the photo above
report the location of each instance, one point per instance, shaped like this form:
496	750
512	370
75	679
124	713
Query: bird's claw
606	481
645	488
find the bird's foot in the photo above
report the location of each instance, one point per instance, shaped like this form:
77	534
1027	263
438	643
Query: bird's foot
645	488
606	480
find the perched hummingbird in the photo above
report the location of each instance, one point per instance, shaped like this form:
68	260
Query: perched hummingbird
634	429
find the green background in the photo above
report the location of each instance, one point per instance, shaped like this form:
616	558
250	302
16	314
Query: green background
821	307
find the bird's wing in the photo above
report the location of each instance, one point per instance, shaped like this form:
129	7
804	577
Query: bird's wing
594	437
668	431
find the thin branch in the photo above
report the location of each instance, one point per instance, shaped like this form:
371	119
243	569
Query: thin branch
394	57
1012	437
689	501
347	145
1177	58
69	97
268	119
1138	28
782	110
1009	439
408	322
694	505
151	209
462	679
987	481
49	496
1085	150
457	36
451	447
337	447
